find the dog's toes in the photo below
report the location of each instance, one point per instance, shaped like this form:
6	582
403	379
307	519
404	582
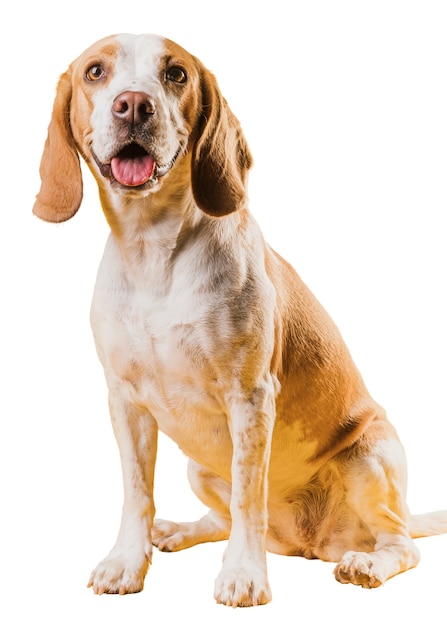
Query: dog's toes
166	536
359	568
119	575
241	587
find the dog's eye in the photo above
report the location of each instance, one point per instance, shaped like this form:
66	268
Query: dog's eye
95	72
176	75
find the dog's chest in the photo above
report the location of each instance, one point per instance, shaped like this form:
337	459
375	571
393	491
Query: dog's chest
161	353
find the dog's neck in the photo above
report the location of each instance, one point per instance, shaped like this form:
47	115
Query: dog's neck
144	223
151	230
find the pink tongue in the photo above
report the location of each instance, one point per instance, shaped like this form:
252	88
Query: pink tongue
133	172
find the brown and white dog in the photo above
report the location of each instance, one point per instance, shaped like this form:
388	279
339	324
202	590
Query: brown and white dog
207	334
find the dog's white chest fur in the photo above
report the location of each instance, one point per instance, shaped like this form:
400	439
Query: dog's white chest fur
155	340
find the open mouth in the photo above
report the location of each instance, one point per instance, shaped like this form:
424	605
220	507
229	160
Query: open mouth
133	166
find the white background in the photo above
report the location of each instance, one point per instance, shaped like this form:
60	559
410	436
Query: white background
344	105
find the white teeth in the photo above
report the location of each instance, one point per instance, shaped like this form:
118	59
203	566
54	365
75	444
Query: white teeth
161	170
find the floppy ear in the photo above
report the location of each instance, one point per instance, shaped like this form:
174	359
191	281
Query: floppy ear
60	193
221	157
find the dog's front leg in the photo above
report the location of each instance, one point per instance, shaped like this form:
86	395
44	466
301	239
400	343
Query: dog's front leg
124	569
243	579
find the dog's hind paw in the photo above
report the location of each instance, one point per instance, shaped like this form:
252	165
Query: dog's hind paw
359	568
172	536
168	536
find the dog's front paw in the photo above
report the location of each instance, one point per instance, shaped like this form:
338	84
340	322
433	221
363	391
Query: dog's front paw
360	568
238	586
119	574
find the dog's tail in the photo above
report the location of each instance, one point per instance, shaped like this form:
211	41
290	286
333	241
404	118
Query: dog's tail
428	524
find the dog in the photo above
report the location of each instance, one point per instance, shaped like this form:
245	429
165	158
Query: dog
207	334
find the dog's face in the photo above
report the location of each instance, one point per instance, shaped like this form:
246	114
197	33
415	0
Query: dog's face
135	108
139	108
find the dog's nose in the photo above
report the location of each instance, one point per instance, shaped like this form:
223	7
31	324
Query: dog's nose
133	107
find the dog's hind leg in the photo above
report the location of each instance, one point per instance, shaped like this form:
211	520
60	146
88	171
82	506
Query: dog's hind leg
215	493
375	487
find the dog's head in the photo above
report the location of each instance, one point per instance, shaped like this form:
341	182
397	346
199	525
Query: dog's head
135	107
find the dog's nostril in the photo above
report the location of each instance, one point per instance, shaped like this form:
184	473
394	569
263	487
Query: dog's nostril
133	107
145	109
